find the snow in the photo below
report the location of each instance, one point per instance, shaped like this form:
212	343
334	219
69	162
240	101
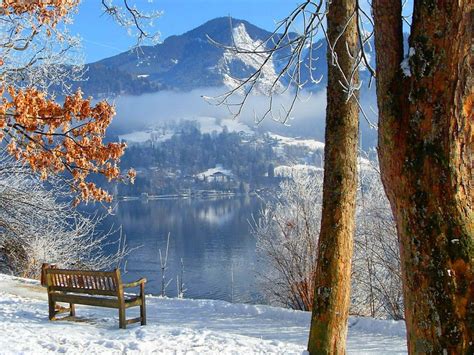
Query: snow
233	125
212	124
309	143
140	137
136	137
254	62
366	164
297	169
175	326
405	64
205	125
363	66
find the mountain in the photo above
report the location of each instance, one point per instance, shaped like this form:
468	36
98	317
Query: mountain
181	63
189	61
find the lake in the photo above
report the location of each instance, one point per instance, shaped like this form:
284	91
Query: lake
211	236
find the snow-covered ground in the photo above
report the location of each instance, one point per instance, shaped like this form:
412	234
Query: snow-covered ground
311	144
174	327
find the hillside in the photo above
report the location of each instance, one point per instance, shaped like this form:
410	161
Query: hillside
172	158
174	326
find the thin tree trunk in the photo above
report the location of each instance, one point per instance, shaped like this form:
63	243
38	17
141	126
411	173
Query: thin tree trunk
425	133
332	281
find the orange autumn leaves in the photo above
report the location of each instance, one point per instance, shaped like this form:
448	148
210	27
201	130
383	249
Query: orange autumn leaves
54	138
47	12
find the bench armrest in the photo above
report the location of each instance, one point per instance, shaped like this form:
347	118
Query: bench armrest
135	283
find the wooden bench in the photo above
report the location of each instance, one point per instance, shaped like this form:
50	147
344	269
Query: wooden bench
93	288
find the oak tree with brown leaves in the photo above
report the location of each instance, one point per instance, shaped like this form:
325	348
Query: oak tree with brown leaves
52	138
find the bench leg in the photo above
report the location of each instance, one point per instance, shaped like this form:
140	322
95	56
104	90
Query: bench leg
52	309
122	321
72	309
143	311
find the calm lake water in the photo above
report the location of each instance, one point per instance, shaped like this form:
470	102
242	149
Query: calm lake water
212	236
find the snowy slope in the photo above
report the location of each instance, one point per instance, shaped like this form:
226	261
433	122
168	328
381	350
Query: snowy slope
248	63
174	326
205	125
212	124
141	137
311	144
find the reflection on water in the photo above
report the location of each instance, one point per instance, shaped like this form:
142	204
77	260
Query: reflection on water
212	237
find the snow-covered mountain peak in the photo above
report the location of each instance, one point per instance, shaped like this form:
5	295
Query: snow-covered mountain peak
243	40
241	62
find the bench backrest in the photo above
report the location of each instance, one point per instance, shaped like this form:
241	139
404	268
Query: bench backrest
84	281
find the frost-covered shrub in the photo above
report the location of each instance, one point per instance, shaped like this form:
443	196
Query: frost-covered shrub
376	279
287	235
38	224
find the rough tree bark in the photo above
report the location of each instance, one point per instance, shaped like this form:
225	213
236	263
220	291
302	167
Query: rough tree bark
425	133
332	285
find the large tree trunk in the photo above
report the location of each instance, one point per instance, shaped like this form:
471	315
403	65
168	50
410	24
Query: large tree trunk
425	133
333	275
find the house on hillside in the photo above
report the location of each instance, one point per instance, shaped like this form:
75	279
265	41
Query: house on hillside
219	177
216	174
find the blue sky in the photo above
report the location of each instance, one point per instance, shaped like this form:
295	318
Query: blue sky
103	38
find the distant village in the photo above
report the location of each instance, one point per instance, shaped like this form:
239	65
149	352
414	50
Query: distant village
203	158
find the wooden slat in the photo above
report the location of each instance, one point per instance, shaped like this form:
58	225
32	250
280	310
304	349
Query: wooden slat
81	290
86	300
108	284
80	272
90	282
104	284
102	281
135	283
133	320
56	280
81	281
62	310
133	302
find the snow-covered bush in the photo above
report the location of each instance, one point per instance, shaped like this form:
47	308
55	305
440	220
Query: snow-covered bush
38	224
376	279
287	235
